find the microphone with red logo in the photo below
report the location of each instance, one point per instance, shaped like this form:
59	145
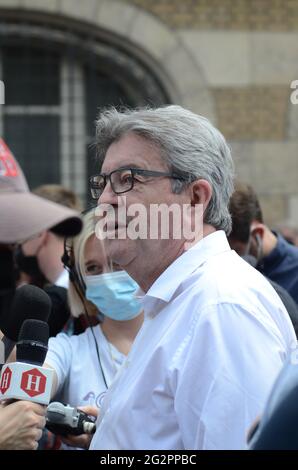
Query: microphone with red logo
28	302
26	379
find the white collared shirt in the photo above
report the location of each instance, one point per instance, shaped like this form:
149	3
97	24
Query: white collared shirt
215	337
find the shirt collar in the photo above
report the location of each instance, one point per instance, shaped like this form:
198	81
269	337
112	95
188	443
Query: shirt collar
168	282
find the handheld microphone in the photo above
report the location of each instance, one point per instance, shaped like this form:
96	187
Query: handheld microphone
28	302
26	379
32	345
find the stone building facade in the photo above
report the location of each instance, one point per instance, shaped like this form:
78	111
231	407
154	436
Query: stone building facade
230	60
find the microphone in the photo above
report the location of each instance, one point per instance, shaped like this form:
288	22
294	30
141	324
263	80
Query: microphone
32	345
28	302
26	379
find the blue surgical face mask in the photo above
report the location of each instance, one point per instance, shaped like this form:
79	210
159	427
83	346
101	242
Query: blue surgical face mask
114	295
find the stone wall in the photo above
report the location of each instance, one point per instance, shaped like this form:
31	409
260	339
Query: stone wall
230	60
247	51
245	15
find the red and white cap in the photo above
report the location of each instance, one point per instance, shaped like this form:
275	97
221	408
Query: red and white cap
24	215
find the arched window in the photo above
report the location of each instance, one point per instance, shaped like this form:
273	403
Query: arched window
56	81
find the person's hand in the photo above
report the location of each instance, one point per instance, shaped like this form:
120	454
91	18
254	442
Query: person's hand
82	441
21	425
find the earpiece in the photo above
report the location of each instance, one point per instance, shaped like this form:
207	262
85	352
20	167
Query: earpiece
70	267
259	247
65	259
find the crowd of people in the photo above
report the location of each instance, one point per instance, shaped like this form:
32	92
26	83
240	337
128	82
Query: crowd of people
172	342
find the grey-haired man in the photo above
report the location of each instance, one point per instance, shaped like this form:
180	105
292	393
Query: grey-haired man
215	333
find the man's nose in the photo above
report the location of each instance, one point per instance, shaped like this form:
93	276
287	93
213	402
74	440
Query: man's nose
107	196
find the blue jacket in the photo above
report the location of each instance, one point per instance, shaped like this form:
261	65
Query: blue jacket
281	266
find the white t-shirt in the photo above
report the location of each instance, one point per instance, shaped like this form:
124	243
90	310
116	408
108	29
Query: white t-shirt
74	358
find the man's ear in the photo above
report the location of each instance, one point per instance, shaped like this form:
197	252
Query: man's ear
200	193
257	230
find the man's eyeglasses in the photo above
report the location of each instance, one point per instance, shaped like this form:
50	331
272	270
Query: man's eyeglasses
123	180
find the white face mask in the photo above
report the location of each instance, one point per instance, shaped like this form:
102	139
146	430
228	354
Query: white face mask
114	295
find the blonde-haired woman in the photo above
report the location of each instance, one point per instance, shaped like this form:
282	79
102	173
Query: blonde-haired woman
86	364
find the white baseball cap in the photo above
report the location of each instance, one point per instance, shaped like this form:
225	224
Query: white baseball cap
24	215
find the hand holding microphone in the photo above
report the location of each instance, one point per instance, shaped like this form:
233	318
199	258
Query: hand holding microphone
25	380
21	425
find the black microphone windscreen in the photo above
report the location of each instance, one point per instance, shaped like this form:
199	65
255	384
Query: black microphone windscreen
34	330
33	340
29	302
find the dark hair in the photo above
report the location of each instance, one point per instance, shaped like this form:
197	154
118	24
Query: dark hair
244	208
